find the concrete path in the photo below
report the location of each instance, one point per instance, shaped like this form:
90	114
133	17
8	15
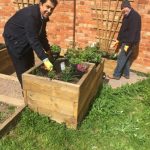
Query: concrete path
109	68
118	83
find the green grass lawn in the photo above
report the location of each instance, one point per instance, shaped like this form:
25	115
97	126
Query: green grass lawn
119	119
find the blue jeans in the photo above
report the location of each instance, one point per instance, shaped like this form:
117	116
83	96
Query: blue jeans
123	62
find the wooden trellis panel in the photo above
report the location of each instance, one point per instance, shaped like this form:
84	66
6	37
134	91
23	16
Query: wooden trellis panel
24	3
108	16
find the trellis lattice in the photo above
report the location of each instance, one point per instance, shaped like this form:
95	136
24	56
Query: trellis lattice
25	3
108	17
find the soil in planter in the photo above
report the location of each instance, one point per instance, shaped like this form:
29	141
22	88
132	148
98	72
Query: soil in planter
6	111
70	74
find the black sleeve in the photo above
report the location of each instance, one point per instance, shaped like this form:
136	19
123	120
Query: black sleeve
43	38
32	36
134	29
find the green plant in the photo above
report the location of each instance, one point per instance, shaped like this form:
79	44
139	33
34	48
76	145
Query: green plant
67	74
37	71
73	53
75	61
91	54
55	48
51	74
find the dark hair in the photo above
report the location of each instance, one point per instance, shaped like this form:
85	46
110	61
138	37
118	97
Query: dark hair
55	2
125	3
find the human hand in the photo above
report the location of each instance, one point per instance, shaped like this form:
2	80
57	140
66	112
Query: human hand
48	64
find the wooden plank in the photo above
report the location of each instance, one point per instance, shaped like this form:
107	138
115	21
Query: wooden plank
7	77
84	108
12	101
51	103
26	1
104	9
88	92
70	121
51	87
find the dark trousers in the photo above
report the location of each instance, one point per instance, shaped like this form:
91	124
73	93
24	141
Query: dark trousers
123	62
23	62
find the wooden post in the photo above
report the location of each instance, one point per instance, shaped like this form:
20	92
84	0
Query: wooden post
98	30
114	30
18	4
106	27
112	23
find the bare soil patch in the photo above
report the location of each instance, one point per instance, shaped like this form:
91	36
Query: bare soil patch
6	111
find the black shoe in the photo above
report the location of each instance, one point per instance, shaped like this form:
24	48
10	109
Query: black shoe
127	77
114	77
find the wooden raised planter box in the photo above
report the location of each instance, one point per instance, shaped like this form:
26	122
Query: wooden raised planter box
5	62
62	101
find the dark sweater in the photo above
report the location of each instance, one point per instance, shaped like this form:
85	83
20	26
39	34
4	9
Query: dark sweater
130	30
26	30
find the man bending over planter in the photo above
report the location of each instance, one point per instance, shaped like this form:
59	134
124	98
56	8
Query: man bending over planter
128	38
24	32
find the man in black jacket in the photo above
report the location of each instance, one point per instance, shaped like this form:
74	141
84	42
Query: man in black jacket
128	38
24	32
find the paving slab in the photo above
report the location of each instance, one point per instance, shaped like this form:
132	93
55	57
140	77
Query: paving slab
118	83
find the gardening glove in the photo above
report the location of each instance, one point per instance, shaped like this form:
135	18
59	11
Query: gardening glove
126	47
48	64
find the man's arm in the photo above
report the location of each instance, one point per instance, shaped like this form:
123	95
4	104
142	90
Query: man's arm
43	38
32	37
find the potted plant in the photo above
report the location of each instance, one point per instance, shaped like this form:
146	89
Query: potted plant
55	50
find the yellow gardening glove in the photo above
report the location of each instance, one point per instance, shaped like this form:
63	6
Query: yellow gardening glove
48	64
126	47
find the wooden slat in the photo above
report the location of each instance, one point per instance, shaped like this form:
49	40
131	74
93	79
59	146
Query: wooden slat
26	1
106	20
11	100
107	30
70	121
106	38
51	87
104	9
98	23
52	103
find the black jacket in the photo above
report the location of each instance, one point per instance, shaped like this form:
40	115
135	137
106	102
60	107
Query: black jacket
27	31
130	30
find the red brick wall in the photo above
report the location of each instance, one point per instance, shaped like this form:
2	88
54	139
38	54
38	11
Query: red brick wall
60	28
